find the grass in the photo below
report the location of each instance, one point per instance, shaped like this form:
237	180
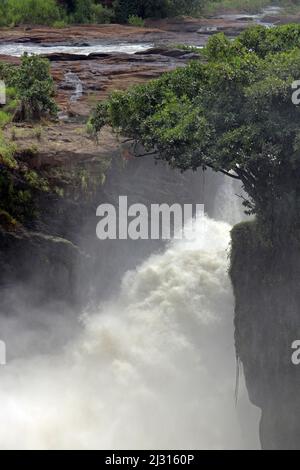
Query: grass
38	131
7	221
7	111
5	118
137	21
7	151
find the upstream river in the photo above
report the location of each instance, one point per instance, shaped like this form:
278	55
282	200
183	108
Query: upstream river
18	49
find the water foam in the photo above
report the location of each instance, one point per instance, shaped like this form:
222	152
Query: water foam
153	368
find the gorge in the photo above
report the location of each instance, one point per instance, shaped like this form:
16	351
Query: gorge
142	343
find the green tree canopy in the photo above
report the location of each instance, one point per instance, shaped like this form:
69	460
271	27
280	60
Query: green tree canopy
155	8
34	85
231	111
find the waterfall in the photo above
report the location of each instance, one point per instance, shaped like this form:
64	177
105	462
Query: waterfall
152	368
228	205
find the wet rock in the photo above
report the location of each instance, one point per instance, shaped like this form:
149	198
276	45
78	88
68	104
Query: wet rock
208	30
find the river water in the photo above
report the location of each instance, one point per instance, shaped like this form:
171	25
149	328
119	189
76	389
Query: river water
18	49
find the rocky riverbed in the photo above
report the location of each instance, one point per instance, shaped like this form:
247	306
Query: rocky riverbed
88	62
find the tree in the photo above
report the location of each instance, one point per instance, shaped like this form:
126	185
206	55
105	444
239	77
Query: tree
155	8
35	87
232	111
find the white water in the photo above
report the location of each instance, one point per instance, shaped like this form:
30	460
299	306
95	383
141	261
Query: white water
154	368
18	49
258	18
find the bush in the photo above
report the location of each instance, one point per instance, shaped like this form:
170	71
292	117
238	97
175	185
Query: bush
124	9
32	12
60	24
58	13
137	21
87	11
8	110
35	88
184	7
5	118
101	14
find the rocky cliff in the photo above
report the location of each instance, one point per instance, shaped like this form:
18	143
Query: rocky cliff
266	288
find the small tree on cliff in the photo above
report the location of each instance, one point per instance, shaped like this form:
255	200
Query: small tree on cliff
35	88
232	111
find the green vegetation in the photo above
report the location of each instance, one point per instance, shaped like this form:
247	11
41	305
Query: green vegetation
156	8
30	91
14	12
59	13
231	112
35	88
89	11
134	20
29	97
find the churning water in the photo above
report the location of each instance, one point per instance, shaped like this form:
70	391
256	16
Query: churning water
18	49
153	368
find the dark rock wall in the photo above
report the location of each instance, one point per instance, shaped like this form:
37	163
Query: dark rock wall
266	283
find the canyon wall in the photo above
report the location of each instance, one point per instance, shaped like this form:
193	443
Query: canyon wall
266	288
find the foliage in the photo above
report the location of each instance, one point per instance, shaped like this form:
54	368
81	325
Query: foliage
134	20
7	151
5	118
88	11
35	87
31	11
232	113
7	111
155	8
59	13
29	90
18	185
53	12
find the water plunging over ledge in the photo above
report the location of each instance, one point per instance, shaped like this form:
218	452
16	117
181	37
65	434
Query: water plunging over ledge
159	355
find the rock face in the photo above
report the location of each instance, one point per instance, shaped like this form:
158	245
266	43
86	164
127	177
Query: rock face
100	74
48	263
267	322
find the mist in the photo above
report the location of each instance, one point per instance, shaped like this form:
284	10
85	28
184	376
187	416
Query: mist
153	367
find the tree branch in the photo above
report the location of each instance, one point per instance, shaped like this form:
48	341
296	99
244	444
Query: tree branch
224	172
146	155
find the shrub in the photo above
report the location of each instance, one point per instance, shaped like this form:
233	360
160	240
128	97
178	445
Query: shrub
7	151
137	21
60	24
35	88
82	12
32	12
5	118
101	15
